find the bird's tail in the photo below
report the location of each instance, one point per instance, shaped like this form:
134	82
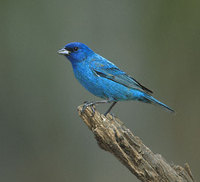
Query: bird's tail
152	100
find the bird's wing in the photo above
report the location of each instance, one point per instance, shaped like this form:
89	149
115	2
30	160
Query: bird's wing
108	70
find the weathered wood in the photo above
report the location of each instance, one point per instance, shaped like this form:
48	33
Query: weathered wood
113	136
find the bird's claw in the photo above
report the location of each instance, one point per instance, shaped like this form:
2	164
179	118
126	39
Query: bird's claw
113	117
88	104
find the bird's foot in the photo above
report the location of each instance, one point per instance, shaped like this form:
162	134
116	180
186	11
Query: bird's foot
113	117
110	108
88	104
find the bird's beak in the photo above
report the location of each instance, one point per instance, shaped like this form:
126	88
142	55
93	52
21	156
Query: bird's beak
63	52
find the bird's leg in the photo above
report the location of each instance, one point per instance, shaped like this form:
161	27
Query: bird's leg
109	109
87	104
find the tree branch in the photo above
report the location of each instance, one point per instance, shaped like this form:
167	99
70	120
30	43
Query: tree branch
113	136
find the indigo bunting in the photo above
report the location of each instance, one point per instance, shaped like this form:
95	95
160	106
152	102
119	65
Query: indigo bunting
103	79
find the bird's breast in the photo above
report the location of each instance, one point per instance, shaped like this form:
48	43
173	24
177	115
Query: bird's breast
89	80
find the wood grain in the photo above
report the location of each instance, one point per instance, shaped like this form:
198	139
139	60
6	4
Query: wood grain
114	137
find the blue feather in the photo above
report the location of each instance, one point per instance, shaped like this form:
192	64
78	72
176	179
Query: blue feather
103	79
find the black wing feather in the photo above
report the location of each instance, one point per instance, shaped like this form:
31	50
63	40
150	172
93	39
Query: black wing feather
116	75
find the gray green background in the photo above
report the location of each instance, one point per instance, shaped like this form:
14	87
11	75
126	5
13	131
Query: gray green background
41	136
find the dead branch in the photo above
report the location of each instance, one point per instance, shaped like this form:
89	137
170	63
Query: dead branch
113	136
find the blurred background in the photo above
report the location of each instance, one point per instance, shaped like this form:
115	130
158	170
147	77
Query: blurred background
42	137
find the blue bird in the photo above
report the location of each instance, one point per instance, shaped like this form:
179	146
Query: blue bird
103	79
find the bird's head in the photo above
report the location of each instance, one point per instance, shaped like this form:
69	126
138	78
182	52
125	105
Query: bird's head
75	51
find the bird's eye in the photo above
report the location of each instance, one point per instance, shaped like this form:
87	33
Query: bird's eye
75	48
